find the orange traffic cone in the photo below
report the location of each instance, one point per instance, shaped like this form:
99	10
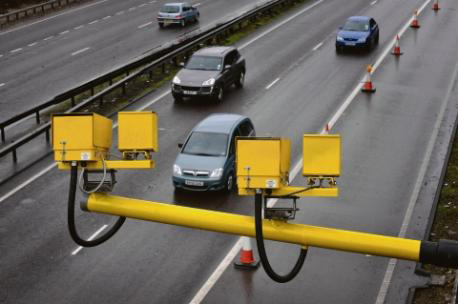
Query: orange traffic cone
414	23
397	47
436	5
368	87
247	260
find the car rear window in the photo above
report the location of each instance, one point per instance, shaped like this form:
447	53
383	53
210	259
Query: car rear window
206	144
206	63
357	26
171	9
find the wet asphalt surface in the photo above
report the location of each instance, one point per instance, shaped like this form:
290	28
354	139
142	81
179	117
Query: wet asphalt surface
43	60
385	136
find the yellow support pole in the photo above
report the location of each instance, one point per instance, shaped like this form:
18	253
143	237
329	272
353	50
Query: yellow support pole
304	235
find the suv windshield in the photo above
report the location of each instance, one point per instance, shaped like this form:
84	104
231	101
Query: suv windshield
205	63
206	144
171	9
356	26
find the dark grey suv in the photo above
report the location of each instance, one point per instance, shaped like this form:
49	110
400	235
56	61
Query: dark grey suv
208	73
206	161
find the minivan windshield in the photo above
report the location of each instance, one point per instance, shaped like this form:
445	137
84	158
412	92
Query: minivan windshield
356	26
170	9
206	63
206	144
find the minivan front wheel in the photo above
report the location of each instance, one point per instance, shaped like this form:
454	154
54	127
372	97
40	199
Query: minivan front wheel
240	80
219	95
229	183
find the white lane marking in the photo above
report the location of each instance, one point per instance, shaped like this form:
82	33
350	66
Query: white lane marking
131	9
78	27
272	83
373	2
197	4
280	24
317	46
2	84
119	13
47	38
90	239
106	17
217	273
93	22
141	5
16	50
64	32
52	17
1	55
27	182
421	175
80	51
146	24
154	1
32	44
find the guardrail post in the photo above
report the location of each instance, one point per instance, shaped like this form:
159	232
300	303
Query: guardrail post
14	156
92	91
150	75
37	117
73	101
124	87
47	135
3	133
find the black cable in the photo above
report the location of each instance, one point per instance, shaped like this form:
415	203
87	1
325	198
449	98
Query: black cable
262	250
71	216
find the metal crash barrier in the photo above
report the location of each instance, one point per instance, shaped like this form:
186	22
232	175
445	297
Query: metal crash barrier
82	141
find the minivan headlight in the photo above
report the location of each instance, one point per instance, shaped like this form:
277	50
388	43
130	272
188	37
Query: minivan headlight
340	38
176	170
362	39
209	82
217	172
176	80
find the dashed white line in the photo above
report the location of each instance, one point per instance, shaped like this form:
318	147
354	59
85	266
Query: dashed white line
373	2
146	24
64	32
93	22
52	17
272	83
119	13
106	17
32	44
141	5
47	38
2	84
197	4
131	9
317	46
154	1
80	51
90	238
16	50
78	27
1	55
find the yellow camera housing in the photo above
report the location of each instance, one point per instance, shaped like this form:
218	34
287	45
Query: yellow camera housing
321	155
137	131
80	136
262	162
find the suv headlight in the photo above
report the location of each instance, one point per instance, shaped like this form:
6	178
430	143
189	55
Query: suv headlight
209	82
217	172
176	170
362	39
339	38
176	80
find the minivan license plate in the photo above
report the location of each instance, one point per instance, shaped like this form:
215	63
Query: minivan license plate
193	183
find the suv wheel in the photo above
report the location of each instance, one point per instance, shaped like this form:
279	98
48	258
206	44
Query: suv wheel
161	25
240	80
219	95
177	98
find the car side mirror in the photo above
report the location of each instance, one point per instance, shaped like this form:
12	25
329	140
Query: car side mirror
180	145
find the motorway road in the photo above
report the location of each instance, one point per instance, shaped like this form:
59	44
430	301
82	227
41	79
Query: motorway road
387	141
44	58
